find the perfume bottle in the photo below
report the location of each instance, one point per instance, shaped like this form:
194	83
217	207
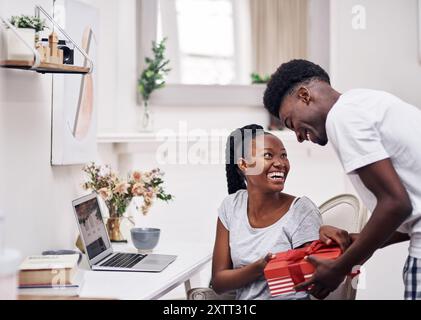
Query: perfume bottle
68	52
66	47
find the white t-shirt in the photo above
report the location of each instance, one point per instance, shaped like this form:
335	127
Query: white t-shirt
366	126
298	226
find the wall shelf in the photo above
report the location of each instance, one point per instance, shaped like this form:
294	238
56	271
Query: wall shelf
46	67
43	67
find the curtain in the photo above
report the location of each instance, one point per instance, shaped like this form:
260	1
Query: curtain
279	32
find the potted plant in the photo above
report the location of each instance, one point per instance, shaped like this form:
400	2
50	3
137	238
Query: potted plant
258	79
151	79
28	28
118	193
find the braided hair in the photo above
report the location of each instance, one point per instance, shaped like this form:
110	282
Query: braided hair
236	146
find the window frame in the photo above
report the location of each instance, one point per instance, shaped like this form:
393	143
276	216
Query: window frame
174	94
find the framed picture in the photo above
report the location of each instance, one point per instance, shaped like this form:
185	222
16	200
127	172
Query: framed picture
74	115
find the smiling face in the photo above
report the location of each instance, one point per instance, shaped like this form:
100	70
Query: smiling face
266	165
304	112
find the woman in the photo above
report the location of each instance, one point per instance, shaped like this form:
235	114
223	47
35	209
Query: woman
257	218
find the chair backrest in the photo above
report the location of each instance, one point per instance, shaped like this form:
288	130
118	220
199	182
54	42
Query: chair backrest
346	212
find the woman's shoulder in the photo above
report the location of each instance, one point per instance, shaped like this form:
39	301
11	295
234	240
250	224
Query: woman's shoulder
302	203
303	199
235	199
232	207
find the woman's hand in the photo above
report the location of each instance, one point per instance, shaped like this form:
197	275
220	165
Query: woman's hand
261	263
328	234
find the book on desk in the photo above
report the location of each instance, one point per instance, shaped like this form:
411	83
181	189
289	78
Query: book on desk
50	275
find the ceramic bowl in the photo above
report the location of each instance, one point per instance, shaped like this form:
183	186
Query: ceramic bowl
145	239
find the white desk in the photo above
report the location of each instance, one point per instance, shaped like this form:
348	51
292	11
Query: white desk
191	259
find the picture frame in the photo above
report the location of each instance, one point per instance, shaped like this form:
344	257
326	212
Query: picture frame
74	115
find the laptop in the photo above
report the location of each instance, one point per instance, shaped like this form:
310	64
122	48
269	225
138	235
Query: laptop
98	247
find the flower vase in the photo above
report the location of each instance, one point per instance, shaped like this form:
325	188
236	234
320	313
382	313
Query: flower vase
146	118
113	224
113	229
118	225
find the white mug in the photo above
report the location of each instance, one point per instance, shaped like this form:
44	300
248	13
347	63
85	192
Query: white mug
9	266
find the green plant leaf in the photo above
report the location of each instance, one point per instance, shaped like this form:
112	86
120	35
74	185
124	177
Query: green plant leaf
30	22
256	78
155	70
149	74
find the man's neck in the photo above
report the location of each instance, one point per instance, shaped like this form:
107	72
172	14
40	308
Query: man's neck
332	96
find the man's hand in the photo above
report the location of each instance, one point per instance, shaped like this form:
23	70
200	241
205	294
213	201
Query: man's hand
325	279
328	234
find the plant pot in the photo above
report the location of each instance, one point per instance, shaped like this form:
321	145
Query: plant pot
16	48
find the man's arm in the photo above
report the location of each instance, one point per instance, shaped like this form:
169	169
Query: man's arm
393	207
396	238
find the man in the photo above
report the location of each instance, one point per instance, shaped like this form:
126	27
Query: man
376	137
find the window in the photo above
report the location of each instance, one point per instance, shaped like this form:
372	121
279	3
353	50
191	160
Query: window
202	42
206	38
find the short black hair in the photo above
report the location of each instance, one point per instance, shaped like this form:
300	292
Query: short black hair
284	80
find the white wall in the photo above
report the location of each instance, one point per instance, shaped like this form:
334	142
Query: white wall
35	196
319	32
383	56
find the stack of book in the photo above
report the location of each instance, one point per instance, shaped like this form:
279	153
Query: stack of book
50	274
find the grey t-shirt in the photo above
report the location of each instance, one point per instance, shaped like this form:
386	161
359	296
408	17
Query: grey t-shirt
247	244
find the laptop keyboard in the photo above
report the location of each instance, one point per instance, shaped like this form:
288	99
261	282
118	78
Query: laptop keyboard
123	260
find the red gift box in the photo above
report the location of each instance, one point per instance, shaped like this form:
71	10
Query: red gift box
290	268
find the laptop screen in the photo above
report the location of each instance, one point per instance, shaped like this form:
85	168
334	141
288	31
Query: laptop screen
92	227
